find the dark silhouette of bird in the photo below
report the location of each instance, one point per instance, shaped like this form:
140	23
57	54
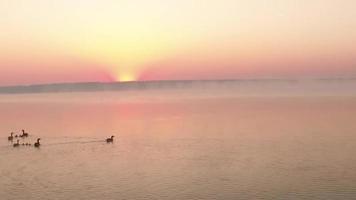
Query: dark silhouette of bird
37	144
11	137
111	139
24	134
17	143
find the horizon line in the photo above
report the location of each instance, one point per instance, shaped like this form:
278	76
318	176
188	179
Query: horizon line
180	80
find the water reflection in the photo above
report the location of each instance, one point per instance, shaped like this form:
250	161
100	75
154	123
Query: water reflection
211	148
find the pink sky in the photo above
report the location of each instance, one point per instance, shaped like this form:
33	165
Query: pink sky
47	41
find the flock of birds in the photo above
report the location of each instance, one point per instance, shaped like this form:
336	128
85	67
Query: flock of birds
23	135
37	143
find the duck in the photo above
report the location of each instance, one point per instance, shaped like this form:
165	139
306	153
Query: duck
24	134
111	139
37	144
17	143
11	137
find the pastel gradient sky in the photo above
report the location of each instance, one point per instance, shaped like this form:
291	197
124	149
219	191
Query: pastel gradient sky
45	41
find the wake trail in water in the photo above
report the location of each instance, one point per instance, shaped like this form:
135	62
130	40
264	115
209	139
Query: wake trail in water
75	142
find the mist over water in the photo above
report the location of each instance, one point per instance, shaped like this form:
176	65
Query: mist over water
253	87
216	140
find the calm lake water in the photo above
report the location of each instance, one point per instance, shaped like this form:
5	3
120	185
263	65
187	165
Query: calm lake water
178	146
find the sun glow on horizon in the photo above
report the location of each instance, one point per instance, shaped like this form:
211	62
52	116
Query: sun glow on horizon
126	77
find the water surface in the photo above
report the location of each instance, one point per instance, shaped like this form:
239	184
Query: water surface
178	146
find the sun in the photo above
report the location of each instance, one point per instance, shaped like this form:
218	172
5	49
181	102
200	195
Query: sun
126	77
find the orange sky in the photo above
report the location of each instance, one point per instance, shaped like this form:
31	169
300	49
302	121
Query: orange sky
44	41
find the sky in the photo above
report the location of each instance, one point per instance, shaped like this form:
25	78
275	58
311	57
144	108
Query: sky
47	41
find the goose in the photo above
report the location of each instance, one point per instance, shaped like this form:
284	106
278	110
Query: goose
24	134
111	139
17	143
37	144
11	136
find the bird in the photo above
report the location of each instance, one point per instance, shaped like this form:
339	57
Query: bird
111	139
37	144
23	144
17	143
16	136
11	137
24	134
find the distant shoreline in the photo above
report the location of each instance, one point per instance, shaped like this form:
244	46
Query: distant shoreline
161	84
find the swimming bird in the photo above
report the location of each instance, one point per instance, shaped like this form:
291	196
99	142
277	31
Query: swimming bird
17	143
111	139
24	134
11	137
37	144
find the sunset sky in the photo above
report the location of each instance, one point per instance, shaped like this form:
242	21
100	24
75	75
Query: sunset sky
45	41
